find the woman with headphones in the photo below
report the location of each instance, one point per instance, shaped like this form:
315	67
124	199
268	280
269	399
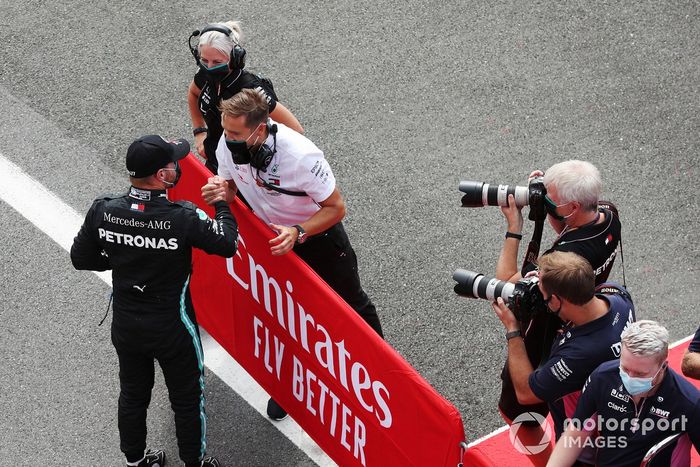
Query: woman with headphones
221	60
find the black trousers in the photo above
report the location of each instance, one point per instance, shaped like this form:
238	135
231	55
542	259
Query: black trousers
211	162
538	343
213	165
175	344
333	258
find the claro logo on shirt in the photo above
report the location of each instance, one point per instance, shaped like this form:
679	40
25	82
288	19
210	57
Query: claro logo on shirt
138	241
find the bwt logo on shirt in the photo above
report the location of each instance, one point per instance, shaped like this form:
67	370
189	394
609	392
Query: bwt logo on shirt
659	412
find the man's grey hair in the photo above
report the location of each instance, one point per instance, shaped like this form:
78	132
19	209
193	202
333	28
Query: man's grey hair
646	338
221	41
575	181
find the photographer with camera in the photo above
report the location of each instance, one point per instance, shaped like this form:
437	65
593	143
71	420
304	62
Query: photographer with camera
590	336
573	189
568	195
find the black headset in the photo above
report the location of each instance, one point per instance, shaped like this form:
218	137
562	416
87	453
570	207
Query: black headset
261	160
237	60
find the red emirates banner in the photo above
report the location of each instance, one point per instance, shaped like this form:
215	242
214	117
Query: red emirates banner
349	390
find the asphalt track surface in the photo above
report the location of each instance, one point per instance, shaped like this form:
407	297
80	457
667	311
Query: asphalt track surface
406	99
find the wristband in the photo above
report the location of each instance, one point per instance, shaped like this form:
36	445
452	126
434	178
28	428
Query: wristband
199	130
514	235
301	237
512	334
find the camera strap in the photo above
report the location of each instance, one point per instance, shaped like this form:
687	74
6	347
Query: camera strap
610	206
622	263
533	248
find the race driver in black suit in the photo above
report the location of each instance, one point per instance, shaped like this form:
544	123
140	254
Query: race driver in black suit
147	240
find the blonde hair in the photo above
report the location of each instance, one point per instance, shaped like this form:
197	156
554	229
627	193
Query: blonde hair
646	338
575	181
220	41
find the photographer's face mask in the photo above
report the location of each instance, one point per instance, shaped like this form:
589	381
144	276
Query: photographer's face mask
240	150
551	208
549	309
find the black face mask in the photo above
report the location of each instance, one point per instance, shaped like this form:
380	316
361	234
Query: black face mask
551	208
215	73
258	157
239	151
549	310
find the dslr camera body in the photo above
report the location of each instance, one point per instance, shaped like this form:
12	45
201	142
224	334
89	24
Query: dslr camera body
523	297
479	194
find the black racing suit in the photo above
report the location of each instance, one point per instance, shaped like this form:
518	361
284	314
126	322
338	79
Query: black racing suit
597	243
146	240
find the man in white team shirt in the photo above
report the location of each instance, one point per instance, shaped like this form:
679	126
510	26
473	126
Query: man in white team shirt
287	181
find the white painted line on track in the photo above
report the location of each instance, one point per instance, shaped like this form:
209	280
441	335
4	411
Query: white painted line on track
61	223
41	207
682	341
230	372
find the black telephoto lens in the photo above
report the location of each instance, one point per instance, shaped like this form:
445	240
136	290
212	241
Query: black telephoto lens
472	194
465	282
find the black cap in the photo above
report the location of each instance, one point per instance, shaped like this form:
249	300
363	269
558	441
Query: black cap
150	153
